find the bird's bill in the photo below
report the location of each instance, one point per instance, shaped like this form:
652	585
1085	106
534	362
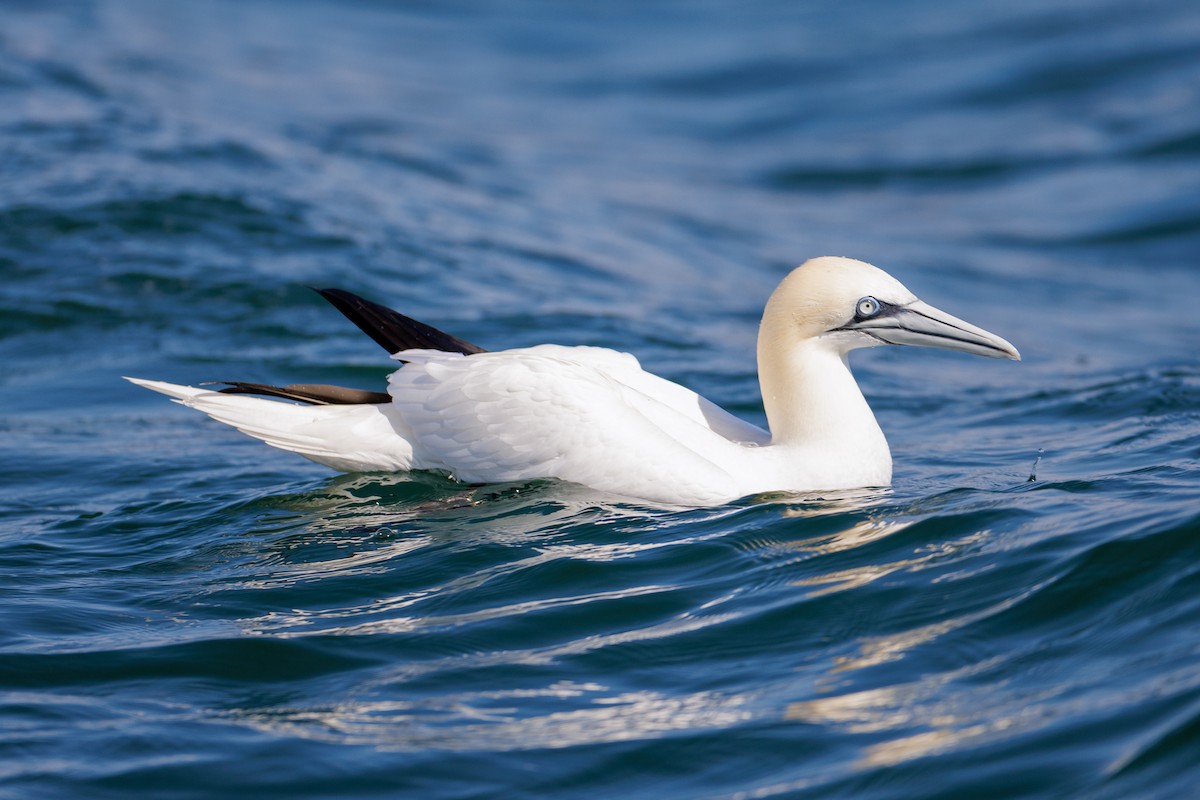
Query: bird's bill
922	325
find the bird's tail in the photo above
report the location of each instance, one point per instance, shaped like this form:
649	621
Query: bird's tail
349	438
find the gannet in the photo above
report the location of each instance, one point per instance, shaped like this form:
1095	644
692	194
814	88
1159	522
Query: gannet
593	416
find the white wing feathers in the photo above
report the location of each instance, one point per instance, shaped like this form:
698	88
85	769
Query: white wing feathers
564	412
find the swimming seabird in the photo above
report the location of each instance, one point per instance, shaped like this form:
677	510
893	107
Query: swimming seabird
593	416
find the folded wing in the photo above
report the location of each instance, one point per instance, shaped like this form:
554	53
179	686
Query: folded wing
558	412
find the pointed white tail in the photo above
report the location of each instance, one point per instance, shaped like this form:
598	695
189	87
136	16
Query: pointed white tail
349	438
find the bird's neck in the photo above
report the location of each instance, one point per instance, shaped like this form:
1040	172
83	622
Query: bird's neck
813	402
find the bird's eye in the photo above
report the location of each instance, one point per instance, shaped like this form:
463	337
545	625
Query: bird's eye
867	307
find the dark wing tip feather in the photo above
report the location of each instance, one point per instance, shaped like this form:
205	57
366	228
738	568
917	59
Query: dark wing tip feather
317	394
390	329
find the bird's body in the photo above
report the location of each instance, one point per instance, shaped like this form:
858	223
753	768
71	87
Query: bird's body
593	416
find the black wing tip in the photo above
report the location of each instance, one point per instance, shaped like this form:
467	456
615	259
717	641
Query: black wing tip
392	330
317	394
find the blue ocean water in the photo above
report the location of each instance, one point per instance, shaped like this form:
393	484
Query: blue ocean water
187	613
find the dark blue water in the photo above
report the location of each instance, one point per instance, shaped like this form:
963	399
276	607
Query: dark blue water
188	614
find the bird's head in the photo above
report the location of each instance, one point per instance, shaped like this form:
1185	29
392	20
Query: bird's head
849	304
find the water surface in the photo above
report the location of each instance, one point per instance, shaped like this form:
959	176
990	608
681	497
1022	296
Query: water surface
190	614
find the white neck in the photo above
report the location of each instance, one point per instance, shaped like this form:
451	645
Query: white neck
817	413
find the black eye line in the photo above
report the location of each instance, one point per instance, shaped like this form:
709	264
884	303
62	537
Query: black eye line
885	310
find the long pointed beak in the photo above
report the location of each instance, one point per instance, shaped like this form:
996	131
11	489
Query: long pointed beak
921	324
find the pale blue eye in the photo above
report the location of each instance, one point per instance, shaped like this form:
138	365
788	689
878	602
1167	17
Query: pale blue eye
867	307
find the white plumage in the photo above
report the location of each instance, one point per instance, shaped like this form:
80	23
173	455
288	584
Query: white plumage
593	416
350	438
